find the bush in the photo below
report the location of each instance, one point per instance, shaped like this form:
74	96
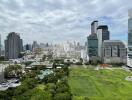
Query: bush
87	63
2	58
79	63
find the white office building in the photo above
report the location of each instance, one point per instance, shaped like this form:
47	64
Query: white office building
102	34
94	26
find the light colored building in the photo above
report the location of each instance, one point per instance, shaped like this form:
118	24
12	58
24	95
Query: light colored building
84	55
13	46
67	50
2	68
129	56
35	45
114	51
94	26
1	76
102	34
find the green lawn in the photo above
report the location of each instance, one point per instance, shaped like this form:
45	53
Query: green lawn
99	85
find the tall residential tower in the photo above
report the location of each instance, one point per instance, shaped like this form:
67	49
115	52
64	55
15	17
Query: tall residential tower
13	46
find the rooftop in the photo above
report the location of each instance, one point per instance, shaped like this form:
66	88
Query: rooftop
92	36
113	43
102	27
94	22
109	41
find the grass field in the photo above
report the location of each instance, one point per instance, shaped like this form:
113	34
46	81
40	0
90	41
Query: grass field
90	84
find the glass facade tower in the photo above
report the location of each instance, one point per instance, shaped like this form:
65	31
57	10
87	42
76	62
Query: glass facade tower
129	59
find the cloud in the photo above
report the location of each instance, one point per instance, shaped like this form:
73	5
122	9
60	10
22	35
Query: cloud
61	20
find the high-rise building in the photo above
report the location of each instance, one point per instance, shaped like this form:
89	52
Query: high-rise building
130	28
92	46
35	45
94	26
28	47
114	51
92	41
129	59
103	34
0	46
13	46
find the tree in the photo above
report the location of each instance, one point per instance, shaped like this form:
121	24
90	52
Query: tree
38	94
21	55
13	71
63	96
50	88
28	63
28	83
65	69
44	57
20	90
81	60
2	58
95	61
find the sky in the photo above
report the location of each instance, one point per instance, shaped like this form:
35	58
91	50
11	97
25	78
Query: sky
56	21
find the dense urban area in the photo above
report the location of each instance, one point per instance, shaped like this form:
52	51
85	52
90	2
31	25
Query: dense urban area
98	70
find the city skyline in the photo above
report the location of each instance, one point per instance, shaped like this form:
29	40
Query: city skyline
57	21
48	48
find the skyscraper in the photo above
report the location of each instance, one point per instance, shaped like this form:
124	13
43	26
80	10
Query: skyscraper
13	46
35	45
92	42
0	45
103	34
28	47
92	47
129	59
94	26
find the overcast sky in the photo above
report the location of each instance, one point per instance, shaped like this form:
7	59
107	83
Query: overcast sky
62	20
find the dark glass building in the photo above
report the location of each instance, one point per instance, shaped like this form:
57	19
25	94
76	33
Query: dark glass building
92	47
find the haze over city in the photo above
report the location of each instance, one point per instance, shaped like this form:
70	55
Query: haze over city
65	49
62	20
